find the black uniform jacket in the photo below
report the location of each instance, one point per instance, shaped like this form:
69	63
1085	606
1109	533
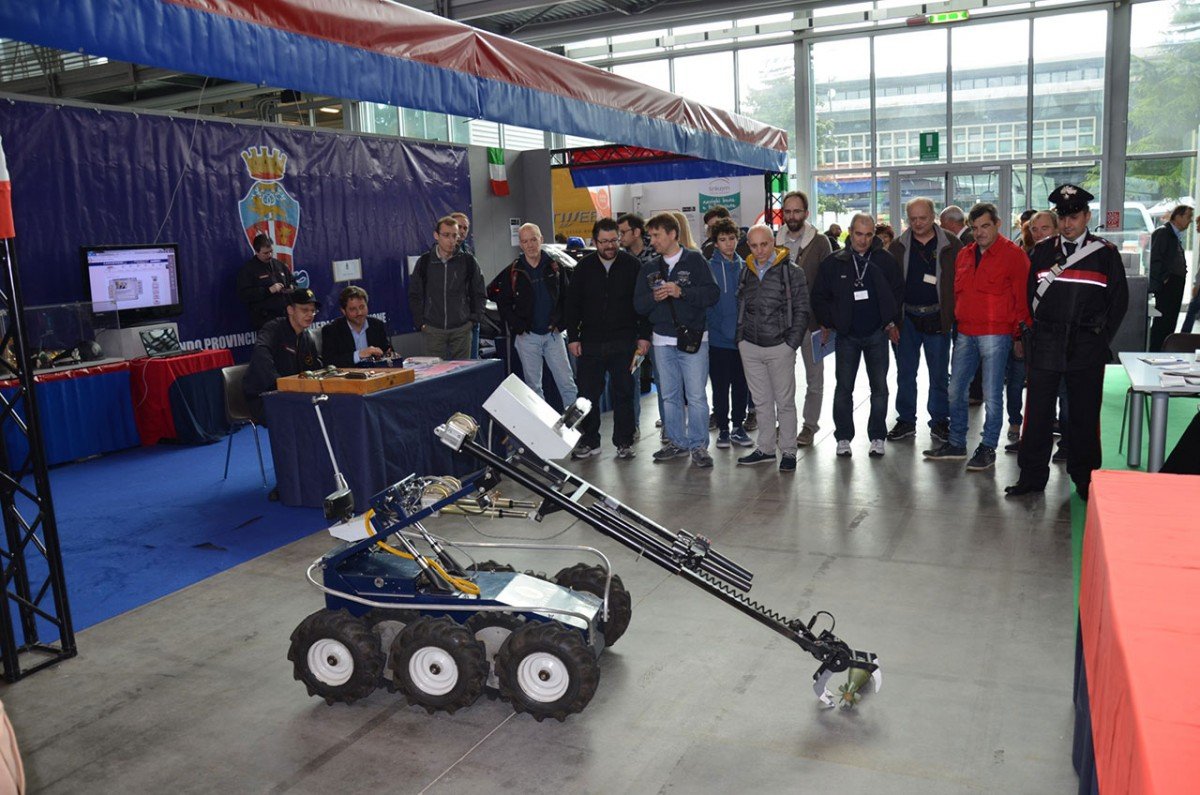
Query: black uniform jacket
337	343
254	289
279	351
1080	313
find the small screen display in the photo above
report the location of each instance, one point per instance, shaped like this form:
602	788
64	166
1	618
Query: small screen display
133	278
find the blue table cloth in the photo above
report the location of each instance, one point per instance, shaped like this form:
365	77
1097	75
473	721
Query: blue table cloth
378	438
83	413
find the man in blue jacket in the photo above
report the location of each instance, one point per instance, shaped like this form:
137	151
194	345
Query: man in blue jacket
859	293
724	361
674	292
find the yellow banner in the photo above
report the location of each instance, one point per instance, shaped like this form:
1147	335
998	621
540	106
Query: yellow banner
574	209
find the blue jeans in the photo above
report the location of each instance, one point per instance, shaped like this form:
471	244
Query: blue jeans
533	349
1014	387
969	352
847	352
908	360
683	375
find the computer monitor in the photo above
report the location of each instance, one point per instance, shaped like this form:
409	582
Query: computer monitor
141	280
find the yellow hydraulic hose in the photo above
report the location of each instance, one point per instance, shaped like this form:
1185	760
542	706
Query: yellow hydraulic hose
466	586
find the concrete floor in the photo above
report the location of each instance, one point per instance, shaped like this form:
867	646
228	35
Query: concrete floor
965	597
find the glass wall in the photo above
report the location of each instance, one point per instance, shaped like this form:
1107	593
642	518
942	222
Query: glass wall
656	74
707	78
987	138
991	91
1164	99
910	94
841	80
1068	83
767	86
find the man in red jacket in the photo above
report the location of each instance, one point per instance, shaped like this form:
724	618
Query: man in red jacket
989	305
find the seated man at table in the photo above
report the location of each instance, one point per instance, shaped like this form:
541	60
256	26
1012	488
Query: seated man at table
285	346
353	337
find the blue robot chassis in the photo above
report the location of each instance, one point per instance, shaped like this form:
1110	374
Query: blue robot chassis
442	632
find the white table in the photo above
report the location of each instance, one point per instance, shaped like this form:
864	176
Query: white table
1145	380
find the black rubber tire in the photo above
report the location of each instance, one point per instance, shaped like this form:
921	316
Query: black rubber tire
492	630
436	643
490	565
387	624
590	579
573	668
352	663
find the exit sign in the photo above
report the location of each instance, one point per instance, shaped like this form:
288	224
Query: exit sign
929	146
949	16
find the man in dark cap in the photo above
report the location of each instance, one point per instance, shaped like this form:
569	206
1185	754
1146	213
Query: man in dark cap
285	346
1077	296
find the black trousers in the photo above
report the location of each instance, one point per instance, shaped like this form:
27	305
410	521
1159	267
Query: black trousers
726	373
1167	301
1085	390
611	359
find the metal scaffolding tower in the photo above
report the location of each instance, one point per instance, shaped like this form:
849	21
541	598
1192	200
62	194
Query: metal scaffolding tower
34	603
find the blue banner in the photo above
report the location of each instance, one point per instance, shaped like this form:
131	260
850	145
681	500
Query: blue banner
87	176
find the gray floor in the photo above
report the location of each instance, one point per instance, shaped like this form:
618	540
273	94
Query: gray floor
965	597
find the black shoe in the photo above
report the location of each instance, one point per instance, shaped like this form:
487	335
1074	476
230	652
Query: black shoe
757	457
1021	488
1012	447
946	452
940	431
787	463
983	458
1056	429
751	423
901	430
712	422
273	495
1060	455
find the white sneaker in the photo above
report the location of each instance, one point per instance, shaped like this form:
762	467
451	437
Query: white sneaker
843	448
876	448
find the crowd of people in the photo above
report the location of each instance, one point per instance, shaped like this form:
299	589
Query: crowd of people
998	321
734	312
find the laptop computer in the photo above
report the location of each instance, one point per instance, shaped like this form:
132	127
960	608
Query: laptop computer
160	342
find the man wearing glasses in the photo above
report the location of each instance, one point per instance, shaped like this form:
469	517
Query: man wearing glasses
446	295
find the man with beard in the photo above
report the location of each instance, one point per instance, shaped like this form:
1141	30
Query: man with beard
808	248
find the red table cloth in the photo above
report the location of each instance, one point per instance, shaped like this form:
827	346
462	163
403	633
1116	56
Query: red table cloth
151	381
1139	613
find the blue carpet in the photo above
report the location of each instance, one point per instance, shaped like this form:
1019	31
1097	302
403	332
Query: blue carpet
143	523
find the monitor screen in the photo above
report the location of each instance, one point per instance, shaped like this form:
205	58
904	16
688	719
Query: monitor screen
141	280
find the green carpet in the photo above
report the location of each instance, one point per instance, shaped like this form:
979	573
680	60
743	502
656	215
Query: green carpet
1116	382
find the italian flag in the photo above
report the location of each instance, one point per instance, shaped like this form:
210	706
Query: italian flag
496	173
6	216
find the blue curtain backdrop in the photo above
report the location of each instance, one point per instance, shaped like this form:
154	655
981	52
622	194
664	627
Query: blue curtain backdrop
87	176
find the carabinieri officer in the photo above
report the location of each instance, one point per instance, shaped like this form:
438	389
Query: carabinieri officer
1077	296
